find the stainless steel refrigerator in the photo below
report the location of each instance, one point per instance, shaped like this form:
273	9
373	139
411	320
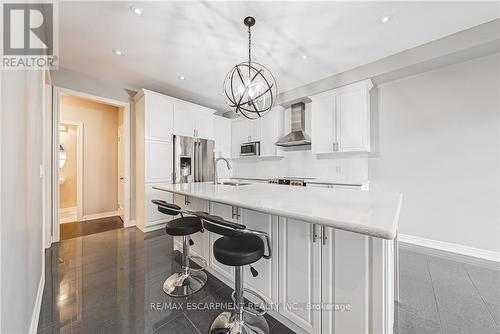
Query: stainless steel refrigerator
193	159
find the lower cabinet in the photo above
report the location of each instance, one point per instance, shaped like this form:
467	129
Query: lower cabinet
322	279
200	239
333	281
151	215
266	282
299	274
226	212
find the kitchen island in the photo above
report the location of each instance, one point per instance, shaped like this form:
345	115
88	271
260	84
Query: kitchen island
332	269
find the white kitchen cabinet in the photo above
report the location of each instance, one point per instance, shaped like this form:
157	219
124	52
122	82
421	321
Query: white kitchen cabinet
334	269
184	120
265	130
345	268
266	283
200	239
205	123
227	212
239	135
157	118
299	273
222	136
249	130
153	144
153	216
159	160
192	120
271	129
340	119
323	136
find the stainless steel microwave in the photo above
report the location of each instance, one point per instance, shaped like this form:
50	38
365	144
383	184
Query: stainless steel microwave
252	148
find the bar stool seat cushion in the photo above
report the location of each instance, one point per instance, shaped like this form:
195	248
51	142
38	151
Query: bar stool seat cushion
183	226
238	251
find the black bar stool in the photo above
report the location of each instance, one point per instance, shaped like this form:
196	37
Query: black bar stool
190	280
238	247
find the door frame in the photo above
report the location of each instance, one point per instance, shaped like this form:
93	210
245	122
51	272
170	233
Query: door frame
121	146
79	166
125	106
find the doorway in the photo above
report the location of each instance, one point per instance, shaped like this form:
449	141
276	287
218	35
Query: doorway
91	164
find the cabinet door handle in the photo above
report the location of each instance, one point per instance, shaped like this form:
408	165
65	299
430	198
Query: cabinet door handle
314	235
323	234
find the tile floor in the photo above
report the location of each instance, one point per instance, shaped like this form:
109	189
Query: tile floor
107	282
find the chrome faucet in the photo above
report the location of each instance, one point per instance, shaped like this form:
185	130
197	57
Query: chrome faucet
228	164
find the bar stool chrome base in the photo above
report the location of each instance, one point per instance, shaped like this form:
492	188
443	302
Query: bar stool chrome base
182	285
250	324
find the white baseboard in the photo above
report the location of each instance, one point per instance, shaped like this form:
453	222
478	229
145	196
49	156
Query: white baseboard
146	229
68	215
450	250
100	215
38	305
130	223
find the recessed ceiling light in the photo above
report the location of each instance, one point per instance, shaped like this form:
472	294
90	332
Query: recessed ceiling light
181	77
136	10
117	52
385	19
304	57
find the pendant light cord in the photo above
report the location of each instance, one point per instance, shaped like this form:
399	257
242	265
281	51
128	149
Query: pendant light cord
249	51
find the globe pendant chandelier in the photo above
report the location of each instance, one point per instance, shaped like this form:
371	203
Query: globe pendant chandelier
249	88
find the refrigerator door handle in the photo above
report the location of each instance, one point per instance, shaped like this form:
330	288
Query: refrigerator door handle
195	162
198	161
200	164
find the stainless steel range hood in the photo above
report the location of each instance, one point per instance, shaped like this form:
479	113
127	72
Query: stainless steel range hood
298	135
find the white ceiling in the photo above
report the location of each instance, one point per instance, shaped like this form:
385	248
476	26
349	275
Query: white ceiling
203	40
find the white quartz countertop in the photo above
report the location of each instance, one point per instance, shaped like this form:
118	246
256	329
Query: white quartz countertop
371	213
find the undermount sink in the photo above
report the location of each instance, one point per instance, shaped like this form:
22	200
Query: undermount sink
234	184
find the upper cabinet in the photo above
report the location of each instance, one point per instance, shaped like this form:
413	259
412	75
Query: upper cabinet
265	130
193	121
222	136
340	119
158	114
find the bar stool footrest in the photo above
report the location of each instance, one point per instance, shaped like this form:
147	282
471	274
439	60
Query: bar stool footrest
197	260
251	310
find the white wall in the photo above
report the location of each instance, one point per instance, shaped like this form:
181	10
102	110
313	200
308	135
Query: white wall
81	82
21	256
436	140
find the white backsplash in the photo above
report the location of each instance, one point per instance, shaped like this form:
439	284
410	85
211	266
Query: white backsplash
302	163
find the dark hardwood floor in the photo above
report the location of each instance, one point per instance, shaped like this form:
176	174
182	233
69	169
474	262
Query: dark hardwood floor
80	229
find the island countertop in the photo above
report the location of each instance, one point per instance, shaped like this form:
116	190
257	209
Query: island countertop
371	213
